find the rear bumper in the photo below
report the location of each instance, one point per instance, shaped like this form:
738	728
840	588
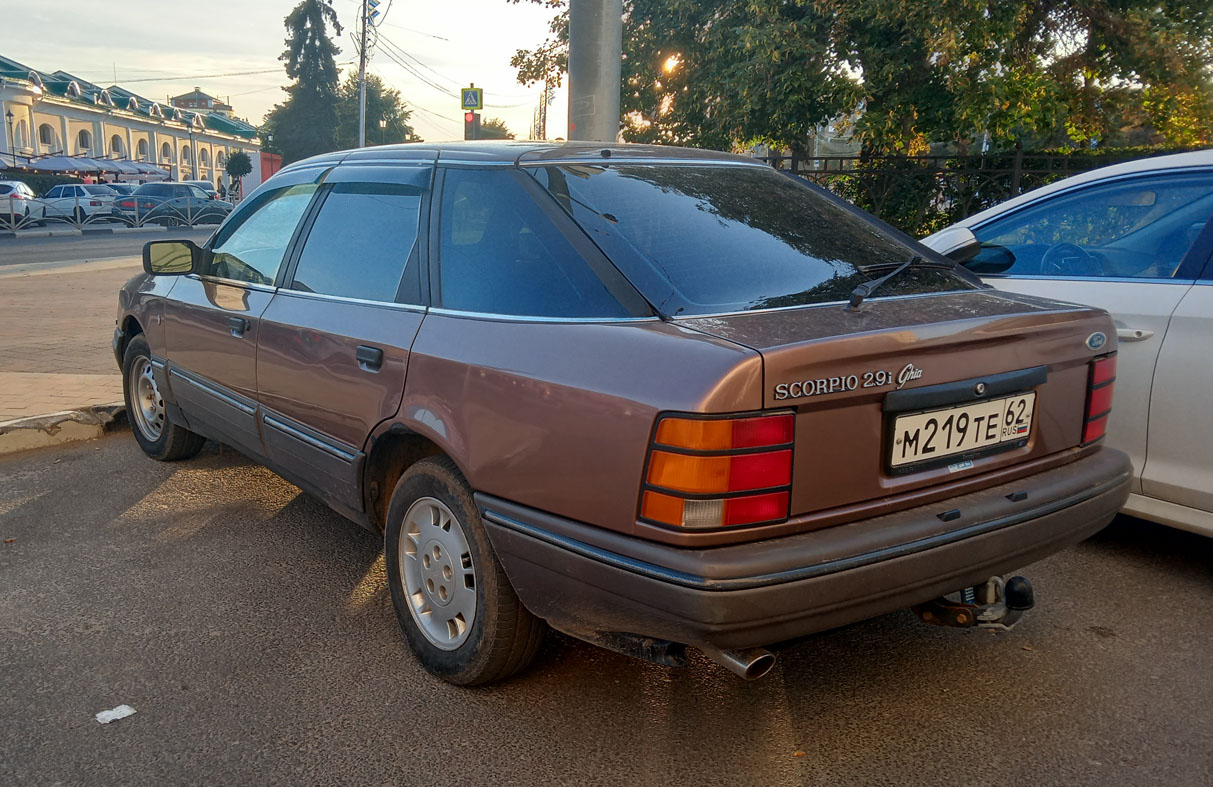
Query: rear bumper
587	581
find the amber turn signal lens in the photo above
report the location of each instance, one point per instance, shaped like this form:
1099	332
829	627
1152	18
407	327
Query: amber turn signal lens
699	475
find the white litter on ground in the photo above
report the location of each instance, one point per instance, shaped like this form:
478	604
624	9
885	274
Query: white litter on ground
120	712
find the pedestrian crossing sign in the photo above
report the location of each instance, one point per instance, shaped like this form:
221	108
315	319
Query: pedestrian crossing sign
471	98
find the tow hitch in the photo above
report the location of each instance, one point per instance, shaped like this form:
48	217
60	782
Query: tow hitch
995	605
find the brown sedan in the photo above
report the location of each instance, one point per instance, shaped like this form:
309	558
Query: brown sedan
652	397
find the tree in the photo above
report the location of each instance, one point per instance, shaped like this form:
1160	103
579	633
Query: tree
306	123
495	128
721	73
382	103
238	165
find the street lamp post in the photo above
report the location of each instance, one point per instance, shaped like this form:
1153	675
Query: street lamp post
12	151
382	129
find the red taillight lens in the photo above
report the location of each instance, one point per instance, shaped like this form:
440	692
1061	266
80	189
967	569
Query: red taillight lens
94	203
1099	398
126	203
705	472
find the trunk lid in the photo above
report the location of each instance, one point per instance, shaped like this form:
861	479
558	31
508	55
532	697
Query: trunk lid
836	369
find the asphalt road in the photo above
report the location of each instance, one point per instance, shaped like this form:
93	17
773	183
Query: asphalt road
251	630
27	250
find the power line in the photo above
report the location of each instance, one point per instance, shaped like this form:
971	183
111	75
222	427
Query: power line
204	76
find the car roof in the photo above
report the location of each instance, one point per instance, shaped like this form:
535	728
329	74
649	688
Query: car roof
521	152
1197	158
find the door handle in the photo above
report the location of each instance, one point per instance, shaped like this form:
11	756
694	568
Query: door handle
238	325
1133	334
369	358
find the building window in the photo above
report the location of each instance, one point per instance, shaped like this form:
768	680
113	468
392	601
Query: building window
204	158
166	152
187	156
142	149
46	135
84	141
116	146
21	138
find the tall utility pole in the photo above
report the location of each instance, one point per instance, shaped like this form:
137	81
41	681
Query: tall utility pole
362	80
595	68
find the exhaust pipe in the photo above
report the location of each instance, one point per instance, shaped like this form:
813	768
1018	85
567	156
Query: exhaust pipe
749	663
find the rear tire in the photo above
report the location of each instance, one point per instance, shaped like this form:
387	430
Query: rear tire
442	570
159	437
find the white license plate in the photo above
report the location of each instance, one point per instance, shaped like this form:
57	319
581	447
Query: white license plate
922	437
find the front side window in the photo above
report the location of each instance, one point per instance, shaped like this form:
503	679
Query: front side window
500	254
708	239
361	241
251	249
1136	229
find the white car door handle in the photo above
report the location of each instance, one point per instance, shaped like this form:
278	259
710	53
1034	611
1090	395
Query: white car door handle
1133	334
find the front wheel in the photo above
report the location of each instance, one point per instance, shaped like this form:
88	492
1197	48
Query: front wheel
458	611
159	437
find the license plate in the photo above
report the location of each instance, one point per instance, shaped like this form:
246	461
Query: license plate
923	437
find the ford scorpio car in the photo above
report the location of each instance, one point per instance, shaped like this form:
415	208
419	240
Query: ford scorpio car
655	398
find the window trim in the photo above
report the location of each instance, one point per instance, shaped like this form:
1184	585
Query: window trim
291	262
1190	266
620	288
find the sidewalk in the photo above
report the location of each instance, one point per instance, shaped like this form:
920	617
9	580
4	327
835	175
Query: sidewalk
56	326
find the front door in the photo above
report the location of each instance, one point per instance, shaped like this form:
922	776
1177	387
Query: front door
335	340
1122	246
212	319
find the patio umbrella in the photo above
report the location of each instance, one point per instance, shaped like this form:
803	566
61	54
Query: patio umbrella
63	164
151	169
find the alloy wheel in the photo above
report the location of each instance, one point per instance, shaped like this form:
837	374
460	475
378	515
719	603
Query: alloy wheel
439	578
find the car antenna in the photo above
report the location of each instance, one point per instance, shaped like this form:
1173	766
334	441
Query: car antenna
865	289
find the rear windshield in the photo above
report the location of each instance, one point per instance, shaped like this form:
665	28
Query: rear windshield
102	191
152	190
702	239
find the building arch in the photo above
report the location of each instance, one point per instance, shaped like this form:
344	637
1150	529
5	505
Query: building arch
166	152
117	146
47	136
141	150
84	141
204	157
187	155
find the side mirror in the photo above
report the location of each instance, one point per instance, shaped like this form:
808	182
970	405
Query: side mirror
170	257
958	244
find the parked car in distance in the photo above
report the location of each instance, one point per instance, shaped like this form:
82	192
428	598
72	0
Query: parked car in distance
75	202
206	186
122	189
656	398
15	201
1135	239
170	204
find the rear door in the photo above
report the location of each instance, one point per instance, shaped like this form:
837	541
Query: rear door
1179	461
1122	246
335	340
212	320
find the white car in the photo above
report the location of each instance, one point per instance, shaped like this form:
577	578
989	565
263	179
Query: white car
74	202
1135	239
16	199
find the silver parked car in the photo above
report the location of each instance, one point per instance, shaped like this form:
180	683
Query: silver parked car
1135	239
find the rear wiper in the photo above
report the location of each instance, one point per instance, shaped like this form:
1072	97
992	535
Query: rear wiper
864	290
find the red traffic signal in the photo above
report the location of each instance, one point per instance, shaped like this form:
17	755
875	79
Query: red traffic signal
471	125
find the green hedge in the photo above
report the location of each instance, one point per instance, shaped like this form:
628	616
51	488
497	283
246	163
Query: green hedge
37	181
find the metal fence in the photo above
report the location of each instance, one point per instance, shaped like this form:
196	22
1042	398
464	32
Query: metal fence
79	212
922	194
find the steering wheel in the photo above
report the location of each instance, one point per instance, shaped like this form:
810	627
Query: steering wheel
1066	259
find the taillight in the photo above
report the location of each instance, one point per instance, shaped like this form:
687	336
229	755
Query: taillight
18	195
1102	381
706	472
126	203
94	203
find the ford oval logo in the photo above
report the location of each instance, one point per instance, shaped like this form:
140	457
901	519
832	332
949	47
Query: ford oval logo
1096	340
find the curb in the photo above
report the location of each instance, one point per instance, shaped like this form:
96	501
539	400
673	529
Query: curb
78	233
42	431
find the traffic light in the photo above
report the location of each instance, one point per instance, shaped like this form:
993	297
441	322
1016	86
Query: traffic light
471	125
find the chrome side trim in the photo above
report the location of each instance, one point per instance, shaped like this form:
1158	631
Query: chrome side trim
518	318
317	296
213	390
220	280
661	573
304	437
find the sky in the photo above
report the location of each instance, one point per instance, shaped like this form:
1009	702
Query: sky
159	48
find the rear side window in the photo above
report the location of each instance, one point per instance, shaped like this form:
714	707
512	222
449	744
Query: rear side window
701	239
5	189
500	254
252	249
361	241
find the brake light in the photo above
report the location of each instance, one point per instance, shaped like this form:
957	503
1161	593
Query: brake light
1101	383
719	472
94	203
126	203
18	195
